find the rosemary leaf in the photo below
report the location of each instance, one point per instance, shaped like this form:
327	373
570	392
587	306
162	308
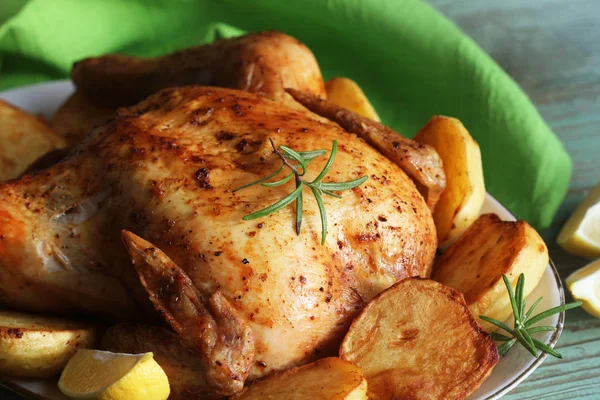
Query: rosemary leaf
335	186
499	324
318	188
550	312
523	337
533	308
536	329
511	296
547	349
298	210
275	206
523	325
296	157
519	294
322	212
327	192
266	178
328	165
280	182
504	348
309	155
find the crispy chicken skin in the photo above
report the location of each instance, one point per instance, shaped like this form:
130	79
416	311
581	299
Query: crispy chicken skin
165	170
420	161
264	63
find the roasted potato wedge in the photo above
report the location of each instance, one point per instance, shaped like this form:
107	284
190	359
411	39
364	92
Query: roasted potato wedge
76	117
461	201
326	379
24	139
346	93
418	340
35	346
181	364
490	247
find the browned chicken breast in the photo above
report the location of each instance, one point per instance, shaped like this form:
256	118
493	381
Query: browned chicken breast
166	171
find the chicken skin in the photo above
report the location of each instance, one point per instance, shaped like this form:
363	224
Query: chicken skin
166	170
265	63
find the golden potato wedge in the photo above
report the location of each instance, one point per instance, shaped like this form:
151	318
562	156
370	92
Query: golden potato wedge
346	93
36	346
76	117
461	201
418	340
490	247
182	365
328	379
24	139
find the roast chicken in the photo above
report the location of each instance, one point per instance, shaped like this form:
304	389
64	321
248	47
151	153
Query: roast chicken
251	297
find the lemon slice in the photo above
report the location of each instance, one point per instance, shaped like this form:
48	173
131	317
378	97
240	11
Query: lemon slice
95	374
584	285
581	234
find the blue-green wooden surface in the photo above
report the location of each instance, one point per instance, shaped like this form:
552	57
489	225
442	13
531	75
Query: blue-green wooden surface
552	49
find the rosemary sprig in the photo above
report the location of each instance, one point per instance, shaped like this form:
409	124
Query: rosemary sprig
317	186
523	329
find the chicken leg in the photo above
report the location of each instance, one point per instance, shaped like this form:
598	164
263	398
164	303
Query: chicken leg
264	63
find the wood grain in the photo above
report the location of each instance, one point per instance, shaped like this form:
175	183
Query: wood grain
551	48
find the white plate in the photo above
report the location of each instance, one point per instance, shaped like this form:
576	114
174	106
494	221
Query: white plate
509	372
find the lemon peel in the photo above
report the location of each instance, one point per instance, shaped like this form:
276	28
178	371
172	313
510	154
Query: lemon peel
584	285
102	375
581	233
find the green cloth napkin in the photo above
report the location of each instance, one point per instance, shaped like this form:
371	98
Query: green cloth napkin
411	62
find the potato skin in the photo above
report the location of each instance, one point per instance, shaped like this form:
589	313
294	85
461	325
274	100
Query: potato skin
418	340
346	93
24	139
76	117
461	201
328	378
40	351
474	264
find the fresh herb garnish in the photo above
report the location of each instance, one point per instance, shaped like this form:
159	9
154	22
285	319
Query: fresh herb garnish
317	186
523	326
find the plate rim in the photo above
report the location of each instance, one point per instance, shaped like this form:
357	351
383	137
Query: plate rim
555	336
553	340
16	388
20	390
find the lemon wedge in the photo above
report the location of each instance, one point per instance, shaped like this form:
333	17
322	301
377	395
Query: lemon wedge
584	285
102	375
581	234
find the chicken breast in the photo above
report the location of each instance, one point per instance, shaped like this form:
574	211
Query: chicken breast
166	170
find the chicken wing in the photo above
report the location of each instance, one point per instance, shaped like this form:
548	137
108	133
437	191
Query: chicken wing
420	161
221	337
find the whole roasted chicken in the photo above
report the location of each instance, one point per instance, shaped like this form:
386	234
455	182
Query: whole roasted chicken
249	297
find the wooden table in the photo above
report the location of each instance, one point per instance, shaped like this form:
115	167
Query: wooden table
552	49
